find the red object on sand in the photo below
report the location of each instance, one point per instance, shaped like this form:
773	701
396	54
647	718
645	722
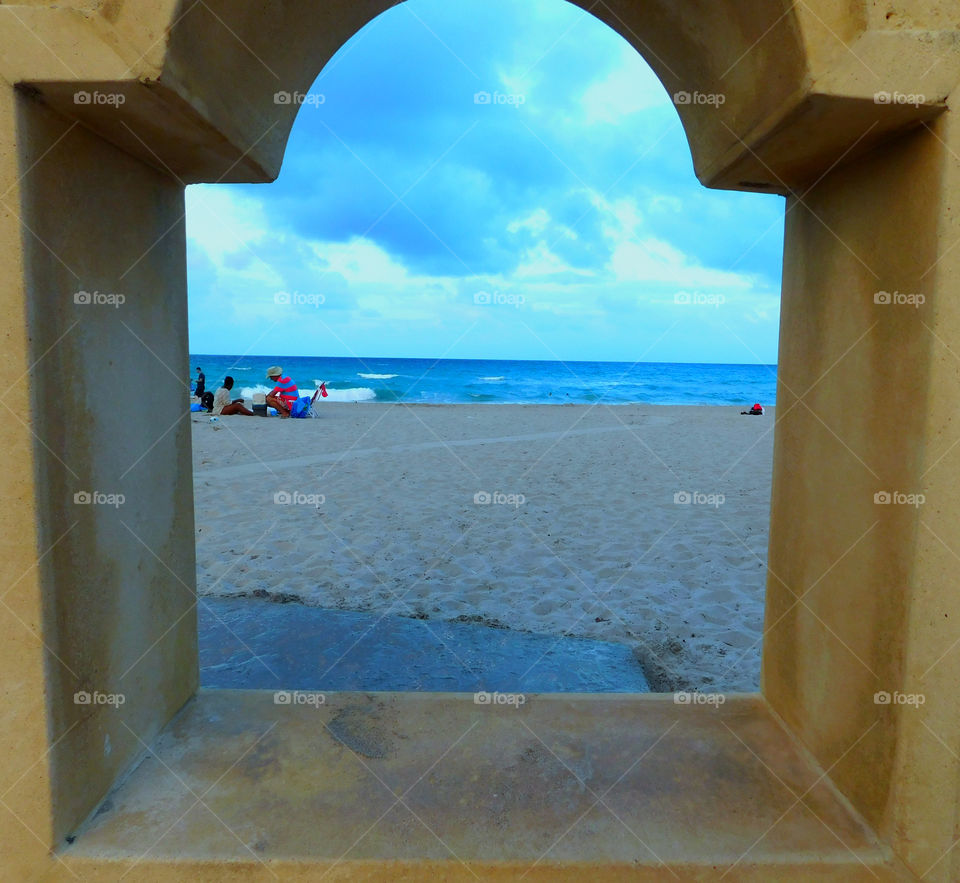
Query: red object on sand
323	390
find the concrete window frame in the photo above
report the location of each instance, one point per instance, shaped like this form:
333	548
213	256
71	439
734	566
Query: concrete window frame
842	109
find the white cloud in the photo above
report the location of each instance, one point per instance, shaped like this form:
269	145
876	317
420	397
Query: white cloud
653	260
638	256
377	290
361	261
222	222
536	222
664	203
540	261
630	88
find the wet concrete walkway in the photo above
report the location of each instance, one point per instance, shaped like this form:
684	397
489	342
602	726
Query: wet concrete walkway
250	643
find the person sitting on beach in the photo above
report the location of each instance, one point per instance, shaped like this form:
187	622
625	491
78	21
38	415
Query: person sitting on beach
283	394
756	410
223	404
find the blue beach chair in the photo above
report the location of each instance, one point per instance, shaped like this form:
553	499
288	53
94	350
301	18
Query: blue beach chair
303	407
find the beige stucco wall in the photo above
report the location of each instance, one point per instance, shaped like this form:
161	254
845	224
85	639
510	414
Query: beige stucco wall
924	811
101	209
109	395
856	385
26	828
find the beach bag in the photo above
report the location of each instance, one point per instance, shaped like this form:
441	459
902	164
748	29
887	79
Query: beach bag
301	407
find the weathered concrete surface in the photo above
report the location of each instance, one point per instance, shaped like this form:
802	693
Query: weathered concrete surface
199	78
119	615
251	644
619	783
24	711
861	598
866	405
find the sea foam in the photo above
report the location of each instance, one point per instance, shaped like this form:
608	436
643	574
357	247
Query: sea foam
353	394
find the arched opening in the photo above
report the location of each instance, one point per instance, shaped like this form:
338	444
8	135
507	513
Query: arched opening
490	209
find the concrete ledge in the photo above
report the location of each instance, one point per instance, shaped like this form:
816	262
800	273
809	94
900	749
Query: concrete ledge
789	152
407	786
157	126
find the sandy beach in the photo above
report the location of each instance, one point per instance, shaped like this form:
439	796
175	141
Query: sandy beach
637	524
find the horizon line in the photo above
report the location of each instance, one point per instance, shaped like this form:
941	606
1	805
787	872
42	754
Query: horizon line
268	357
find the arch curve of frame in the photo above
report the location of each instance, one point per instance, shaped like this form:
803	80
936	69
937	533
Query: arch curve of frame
803	87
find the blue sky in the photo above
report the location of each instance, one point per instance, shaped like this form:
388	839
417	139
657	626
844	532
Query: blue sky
561	219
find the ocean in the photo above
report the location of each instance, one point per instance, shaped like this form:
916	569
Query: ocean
497	381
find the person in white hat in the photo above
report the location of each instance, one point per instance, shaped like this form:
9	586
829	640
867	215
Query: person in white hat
284	392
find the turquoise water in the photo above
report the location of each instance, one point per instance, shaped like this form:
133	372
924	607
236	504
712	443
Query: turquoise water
501	381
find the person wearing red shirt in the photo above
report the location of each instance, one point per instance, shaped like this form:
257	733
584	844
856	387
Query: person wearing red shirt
283	394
